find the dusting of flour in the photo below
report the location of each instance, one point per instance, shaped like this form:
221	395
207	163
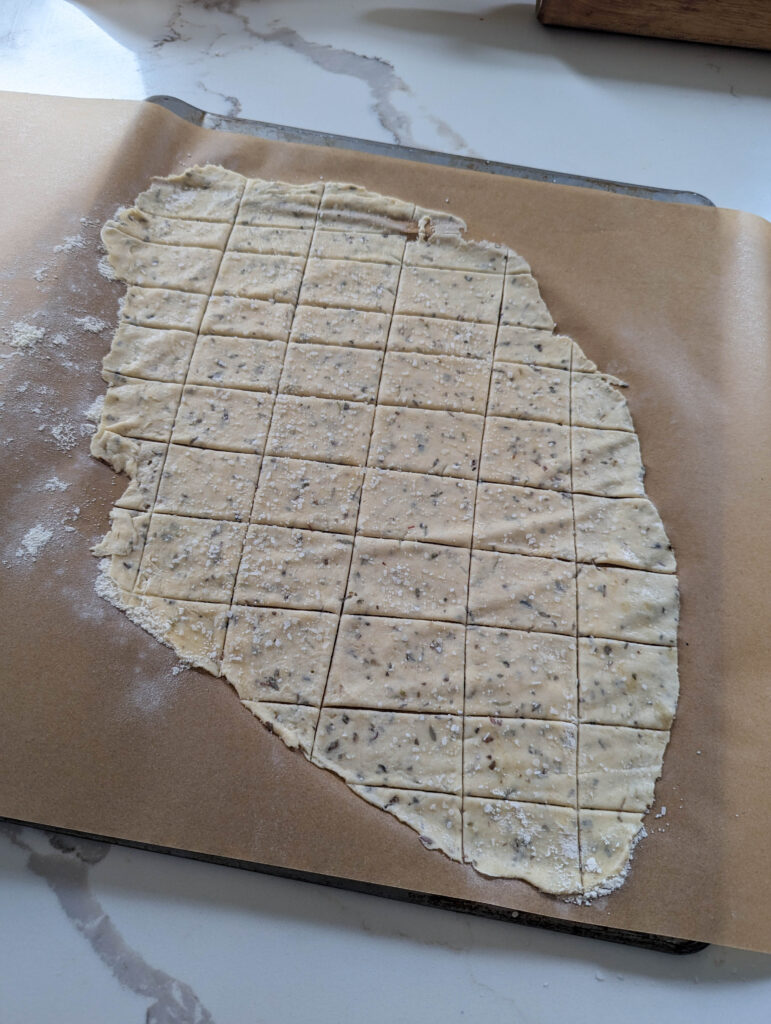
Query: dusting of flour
94	411
92	324
33	542
24	335
55	484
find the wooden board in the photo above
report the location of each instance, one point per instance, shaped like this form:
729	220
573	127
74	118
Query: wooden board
725	22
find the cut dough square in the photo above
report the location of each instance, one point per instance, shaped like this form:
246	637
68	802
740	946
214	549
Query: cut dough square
391	748
331	371
520	759
151	354
231	420
278	655
455	254
534	347
518	674
367	247
247	318
436	817
149	227
259	276
535	842
455	294
407	578
607	462
193	559
618	767
627	684
279	205
530	393
628	604
621	531
606	839
196	628
144	409
417	507
199	482
293	569
124	545
397	664
141	461
522	592
273	241
435	382
516	264
523	520
200	193
160	307
187	267
309	495
351	207
366	286
597	403
322	429
523	305
251	363
294	724
438	337
351	327
424	441
526	452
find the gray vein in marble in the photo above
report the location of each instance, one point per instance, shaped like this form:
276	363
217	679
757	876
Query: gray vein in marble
65	865
233	103
378	74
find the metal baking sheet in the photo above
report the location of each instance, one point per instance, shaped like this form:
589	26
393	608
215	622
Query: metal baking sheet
283	133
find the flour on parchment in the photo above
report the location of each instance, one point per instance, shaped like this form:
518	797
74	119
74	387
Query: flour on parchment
373	488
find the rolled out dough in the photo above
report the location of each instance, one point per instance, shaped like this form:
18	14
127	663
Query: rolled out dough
374	489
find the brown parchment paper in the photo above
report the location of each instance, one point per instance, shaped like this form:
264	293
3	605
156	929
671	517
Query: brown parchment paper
99	734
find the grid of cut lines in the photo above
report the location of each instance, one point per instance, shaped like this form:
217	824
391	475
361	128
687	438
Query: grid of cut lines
566	727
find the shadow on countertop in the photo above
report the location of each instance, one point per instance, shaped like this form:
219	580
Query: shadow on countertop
515	29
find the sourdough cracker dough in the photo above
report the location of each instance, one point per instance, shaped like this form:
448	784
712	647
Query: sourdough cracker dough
373	488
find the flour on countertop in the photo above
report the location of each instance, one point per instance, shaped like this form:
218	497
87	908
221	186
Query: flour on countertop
33	542
55	484
92	324
71	243
65	435
24	335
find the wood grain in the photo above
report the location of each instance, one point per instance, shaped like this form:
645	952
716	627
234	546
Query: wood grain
725	22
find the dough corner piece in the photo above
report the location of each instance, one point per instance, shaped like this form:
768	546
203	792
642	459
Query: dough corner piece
194	631
466	609
295	724
608	841
436	817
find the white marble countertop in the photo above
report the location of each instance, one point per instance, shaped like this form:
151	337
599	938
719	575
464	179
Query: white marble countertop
93	932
